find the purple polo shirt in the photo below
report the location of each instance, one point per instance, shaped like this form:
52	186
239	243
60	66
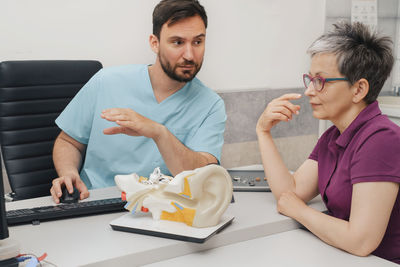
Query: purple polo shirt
367	151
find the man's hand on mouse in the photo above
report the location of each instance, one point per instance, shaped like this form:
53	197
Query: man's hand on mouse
69	181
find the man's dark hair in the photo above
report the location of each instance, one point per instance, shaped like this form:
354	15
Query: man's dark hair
172	11
360	53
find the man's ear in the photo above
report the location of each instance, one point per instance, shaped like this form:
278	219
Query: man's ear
360	90
154	43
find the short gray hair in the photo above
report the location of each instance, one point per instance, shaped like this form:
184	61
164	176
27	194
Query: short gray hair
360	54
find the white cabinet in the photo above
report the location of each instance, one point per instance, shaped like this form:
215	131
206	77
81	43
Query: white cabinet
390	105
392	113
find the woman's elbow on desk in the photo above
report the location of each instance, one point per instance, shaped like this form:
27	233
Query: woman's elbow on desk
355	238
362	246
359	240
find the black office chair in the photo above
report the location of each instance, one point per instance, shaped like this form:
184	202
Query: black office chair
32	95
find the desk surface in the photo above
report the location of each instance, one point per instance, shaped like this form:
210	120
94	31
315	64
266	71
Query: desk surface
292	248
90	241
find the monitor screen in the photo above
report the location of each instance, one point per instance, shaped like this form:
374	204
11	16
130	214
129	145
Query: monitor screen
3	221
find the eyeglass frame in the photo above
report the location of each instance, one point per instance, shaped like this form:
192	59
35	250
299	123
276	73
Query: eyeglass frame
323	80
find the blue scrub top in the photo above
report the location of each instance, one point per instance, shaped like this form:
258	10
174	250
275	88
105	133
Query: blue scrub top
195	115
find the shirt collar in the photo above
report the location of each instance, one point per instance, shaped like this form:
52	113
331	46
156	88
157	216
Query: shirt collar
369	112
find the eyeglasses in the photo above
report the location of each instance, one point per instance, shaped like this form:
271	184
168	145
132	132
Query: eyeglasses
319	82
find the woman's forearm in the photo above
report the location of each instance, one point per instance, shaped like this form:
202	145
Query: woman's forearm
335	232
279	178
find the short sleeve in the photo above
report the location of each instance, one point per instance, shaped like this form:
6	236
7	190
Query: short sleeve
314	153
77	118
322	144
377	158
210	135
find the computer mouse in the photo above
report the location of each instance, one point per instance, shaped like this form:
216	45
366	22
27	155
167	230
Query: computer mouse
66	197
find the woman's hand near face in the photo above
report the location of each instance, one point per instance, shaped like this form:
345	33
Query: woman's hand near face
279	109
304	181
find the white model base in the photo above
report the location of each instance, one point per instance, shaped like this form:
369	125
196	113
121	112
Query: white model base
143	223
9	248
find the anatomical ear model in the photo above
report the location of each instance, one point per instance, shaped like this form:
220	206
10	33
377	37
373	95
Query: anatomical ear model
197	198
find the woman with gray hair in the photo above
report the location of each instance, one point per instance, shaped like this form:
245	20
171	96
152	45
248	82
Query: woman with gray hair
355	165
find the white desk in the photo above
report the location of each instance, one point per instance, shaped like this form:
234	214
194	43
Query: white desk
90	241
292	248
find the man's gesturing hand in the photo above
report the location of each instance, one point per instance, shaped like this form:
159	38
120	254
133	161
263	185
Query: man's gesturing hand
130	123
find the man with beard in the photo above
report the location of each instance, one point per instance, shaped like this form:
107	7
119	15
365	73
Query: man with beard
137	117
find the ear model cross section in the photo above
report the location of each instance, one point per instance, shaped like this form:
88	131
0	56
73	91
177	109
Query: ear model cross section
197	198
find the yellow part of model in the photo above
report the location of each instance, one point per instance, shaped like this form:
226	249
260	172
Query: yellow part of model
182	214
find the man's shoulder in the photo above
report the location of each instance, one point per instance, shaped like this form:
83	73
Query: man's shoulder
119	70
200	89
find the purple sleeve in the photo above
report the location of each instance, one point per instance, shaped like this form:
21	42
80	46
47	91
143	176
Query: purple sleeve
377	158
314	153
320	144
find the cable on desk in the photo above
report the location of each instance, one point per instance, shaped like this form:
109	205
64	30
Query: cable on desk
33	259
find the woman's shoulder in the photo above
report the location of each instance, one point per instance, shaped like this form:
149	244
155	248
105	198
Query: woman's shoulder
381	127
379	135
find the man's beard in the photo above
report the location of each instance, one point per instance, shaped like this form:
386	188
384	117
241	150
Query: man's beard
172	71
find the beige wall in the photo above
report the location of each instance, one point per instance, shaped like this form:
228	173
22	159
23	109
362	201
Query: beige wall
294	151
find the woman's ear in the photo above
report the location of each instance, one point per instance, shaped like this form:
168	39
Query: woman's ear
360	90
154	43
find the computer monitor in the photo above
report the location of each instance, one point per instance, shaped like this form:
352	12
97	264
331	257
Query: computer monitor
9	248
3	221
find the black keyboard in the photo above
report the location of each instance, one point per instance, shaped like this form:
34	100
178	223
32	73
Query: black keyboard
35	215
